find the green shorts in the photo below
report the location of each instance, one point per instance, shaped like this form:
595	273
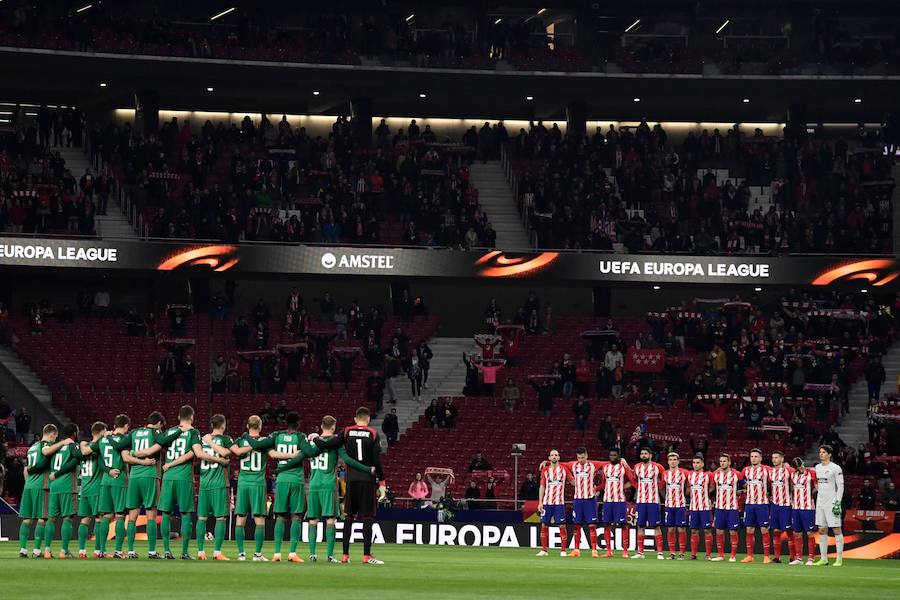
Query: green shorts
290	498
33	504
322	503
89	506
112	500
251	500
174	493
62	504
212	502
142	491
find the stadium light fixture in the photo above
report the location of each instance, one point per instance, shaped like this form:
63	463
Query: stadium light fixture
542	11
210	89
864	291
102	84
423	95
746	100
84	8
529	98
723	26
316	92
497	22
222	14
857	100
656	287
757	289
636	99
410	17
633	25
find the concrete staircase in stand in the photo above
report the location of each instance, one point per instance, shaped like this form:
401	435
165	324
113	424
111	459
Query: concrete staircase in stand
496	198
446	377
114	224
22	380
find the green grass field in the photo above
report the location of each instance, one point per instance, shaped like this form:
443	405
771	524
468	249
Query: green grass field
441	572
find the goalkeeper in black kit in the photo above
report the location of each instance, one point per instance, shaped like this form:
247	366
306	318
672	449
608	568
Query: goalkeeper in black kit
363	444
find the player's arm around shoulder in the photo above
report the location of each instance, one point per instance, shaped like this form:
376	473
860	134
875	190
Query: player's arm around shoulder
353	463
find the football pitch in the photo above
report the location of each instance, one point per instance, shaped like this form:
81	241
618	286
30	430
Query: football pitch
441	572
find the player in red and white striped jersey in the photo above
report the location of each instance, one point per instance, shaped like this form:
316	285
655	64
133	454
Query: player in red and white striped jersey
727	517
675	479
803	511
780	515
646	501
699	482
552	502
756	504
616	479
584	506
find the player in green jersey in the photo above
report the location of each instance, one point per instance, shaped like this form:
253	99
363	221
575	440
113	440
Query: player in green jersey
290	497
323	494
143	480
62	493
214	487
113	484
33	505
90	475
251	489
178	478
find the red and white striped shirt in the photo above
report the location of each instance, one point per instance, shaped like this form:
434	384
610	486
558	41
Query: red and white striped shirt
553	480
647	475
585	477
726	488
675	480
699	482
803	486
756	484
614	484
780	478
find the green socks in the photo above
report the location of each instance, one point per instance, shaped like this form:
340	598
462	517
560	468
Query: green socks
48	534
201	534
23	535
166	529
120	533
239	533
259	535
220	534
295	534
101	532
131	533
38	535
330	536
313	533
279	534
66	534
151	535
82	537
186	527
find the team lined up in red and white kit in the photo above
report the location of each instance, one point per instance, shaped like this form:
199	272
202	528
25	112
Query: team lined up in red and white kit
777	498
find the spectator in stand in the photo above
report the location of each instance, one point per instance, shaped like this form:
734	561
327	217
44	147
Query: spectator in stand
614	363
718	419
418	491
472	496
529	488
241	332
23	425
188	374
479	463
488	368
606	432
584	374
233	376
434	414
391	427
375	390
414	373
866	498
438	487
875	378
890	499
450	414
424	354
217	373
567	376
831	438
546	388
168	372
267	413
582	411
101	303
511	395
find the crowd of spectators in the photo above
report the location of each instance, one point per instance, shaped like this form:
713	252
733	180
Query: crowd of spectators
38	193
637	190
